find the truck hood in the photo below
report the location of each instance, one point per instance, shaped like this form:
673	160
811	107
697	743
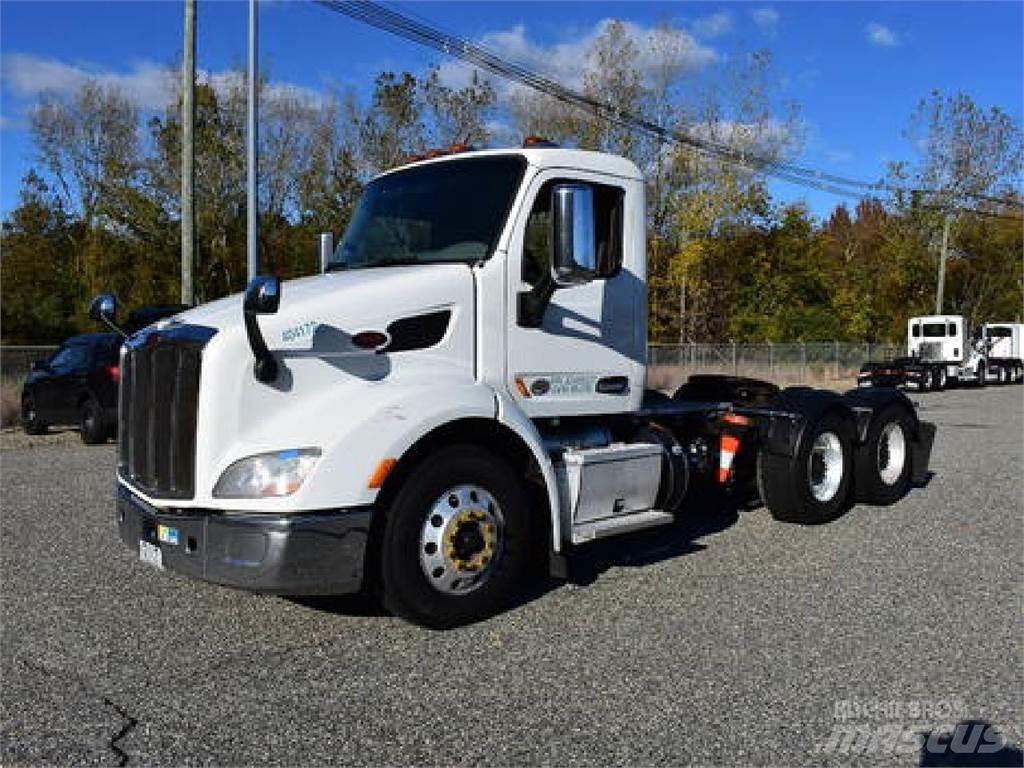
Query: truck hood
327	388
357	294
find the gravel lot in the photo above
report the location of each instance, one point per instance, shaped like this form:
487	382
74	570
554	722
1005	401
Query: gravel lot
730	640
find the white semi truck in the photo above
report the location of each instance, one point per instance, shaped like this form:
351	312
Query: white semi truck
1004	343
940	353
459	400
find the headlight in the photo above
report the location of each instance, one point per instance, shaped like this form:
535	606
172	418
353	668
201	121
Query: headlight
267	474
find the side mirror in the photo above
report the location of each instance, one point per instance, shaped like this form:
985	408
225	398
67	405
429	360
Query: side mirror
262	295
104	308
574	246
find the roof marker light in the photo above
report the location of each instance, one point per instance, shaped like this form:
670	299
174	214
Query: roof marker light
537	142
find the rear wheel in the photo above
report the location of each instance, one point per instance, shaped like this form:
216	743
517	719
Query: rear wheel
30	420
90	422
813	486
883	464
456	542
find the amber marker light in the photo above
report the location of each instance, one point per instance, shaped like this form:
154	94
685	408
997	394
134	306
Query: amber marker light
380	474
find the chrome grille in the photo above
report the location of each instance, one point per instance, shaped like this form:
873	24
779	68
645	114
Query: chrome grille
159	403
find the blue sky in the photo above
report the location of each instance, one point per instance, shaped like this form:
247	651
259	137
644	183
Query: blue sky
856	69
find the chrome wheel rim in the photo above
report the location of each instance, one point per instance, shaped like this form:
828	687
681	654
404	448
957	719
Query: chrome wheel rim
892	453
825	466
461	540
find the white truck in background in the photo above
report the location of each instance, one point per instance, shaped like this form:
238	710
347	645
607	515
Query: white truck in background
940	354
459	400
1005	345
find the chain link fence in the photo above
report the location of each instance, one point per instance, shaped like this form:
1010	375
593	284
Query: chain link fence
16	362
832	363
668	364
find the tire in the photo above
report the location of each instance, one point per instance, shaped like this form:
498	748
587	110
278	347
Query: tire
940	378
90	423
1020	375
883	466
459	497
980	378
794	490
30	420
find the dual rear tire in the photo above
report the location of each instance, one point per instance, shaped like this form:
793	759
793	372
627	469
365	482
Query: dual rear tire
813	486
826	473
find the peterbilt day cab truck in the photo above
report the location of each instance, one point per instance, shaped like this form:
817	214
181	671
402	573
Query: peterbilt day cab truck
940	354
459	400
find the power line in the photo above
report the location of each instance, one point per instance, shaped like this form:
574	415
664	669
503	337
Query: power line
402	25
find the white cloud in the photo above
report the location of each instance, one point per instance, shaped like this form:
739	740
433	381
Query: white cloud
566	61
766	18
881	35
149	84
28	76
714	25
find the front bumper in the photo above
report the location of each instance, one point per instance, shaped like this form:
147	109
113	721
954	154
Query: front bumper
307	553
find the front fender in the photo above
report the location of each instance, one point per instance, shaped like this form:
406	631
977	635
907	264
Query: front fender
510	415
406	415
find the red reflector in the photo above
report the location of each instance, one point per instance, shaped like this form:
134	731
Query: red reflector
114	372
371	339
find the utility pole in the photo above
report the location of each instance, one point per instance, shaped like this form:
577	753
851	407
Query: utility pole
252	163
946	223
188	120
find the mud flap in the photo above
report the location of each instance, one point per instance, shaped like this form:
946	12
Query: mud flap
922	450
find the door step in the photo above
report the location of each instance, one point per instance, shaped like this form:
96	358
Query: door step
613	526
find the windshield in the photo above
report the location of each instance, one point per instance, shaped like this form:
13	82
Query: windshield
442	212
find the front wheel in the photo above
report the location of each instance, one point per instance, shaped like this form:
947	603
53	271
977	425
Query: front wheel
981	375
883	464
90	423
940	378
456	542
813	486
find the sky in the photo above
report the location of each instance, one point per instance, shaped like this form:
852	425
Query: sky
857	70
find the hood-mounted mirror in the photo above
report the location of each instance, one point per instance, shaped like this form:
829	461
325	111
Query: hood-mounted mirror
262	297
104	309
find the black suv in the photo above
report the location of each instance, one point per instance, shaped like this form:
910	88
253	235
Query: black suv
78	385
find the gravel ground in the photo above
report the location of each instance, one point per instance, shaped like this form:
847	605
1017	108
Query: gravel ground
730	640
14	438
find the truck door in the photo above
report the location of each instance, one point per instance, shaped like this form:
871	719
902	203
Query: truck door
587	355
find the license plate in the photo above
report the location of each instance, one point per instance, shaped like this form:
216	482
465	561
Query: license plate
167	535
150	553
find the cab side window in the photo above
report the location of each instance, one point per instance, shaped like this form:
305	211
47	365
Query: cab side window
608	204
